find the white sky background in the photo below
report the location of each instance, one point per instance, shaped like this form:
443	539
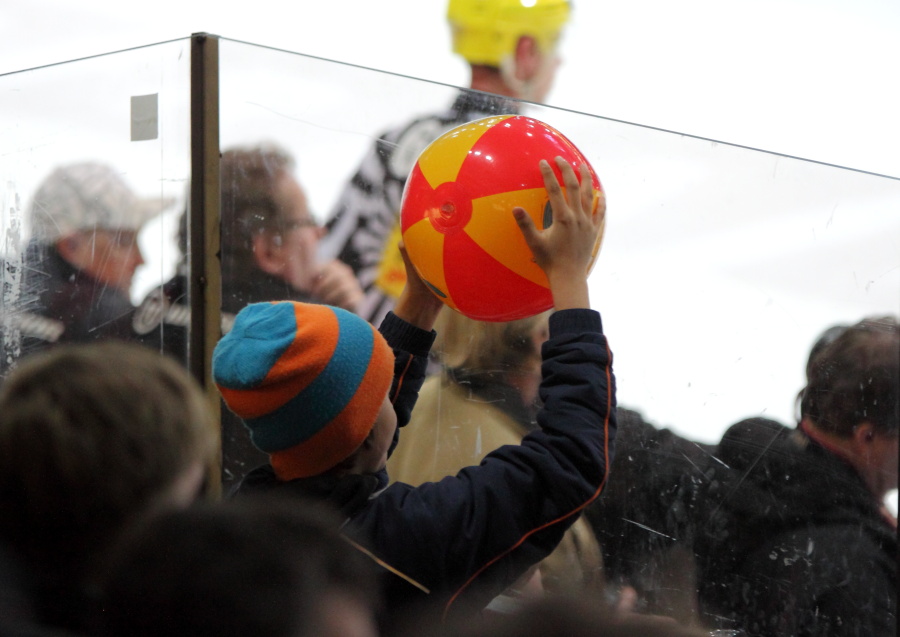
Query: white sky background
815	79
819	79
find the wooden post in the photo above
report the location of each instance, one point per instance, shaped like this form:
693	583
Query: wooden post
205	285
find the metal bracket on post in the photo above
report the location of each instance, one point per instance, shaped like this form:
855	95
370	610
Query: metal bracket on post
205	286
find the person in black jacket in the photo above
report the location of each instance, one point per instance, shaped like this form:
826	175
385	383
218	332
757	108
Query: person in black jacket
792	536
312	384
645	561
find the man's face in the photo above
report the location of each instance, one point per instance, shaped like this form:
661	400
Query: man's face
299	236
543	80
110	256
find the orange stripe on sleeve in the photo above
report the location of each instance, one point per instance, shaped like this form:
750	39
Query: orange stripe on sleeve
400	379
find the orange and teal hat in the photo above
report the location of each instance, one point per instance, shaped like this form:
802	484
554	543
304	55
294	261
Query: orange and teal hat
307	380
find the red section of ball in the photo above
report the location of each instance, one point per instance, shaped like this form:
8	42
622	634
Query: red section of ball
417	198
506	157
495	163
505	296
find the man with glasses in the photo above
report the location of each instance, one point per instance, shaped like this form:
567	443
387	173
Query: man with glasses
269	252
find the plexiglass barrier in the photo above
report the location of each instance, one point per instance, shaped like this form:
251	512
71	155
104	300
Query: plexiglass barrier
95	164
719	269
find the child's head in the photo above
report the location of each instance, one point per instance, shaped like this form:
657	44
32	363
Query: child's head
309	381
92	437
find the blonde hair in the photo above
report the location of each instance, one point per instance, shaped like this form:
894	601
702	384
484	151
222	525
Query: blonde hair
465	343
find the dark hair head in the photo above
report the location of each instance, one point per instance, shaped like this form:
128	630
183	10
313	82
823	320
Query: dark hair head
92	437
855	379
249	175
250	566
825	339
248	183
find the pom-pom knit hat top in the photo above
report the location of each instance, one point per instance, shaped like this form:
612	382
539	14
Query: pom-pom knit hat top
307	380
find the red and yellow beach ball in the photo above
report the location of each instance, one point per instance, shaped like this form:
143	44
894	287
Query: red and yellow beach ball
456	215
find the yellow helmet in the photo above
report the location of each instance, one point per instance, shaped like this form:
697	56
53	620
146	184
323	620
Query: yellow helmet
486	31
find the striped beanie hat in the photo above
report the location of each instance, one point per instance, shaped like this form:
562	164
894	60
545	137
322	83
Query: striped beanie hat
307	380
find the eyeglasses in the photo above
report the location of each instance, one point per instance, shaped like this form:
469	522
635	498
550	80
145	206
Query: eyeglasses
294	224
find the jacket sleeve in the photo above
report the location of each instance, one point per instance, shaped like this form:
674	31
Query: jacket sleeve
469	536
411	346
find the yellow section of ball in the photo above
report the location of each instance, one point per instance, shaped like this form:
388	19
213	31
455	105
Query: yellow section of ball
441	161
425	247
494	228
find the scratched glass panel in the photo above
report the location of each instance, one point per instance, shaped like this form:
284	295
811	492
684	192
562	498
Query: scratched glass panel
719	269
746	255
94	168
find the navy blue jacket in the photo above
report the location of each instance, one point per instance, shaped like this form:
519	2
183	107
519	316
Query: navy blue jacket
467	538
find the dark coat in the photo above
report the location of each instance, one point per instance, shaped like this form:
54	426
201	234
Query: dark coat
790	542
47	300
636	518
468	537
162	320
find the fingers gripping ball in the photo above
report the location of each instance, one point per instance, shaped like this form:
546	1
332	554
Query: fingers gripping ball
456	215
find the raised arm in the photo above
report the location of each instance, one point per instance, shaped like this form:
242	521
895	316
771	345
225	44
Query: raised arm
563	250
471	535
417	304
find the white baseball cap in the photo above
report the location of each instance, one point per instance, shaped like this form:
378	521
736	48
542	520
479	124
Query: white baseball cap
85	196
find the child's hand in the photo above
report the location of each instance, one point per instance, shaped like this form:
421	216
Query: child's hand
564	250
417	304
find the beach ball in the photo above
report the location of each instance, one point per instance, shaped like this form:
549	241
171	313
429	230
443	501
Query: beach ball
456	215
